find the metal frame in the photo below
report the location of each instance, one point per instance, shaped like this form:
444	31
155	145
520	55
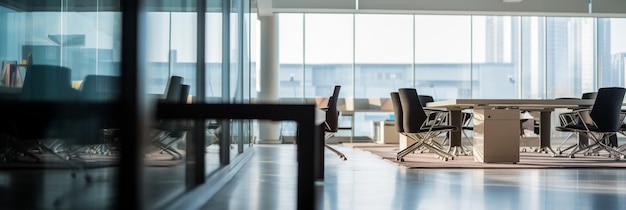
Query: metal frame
309	149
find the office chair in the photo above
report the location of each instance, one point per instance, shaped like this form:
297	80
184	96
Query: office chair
331	124
582	140
466	125
417	127
399	119
169	132
603	121
44	83
102	132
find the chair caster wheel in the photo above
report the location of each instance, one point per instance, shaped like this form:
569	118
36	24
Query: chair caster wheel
445	159
524	150
572	156
401	159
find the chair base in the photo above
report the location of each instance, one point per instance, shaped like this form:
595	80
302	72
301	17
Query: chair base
423	145
327	135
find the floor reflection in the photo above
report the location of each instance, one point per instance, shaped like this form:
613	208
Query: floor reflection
368	182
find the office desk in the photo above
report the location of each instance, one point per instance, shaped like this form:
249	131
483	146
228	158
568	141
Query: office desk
544	106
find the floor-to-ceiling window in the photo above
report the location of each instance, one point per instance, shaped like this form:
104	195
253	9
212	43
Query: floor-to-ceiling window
611	52
379	45
329	58
443	54
570	56
495	57
533	60
452	56
328	54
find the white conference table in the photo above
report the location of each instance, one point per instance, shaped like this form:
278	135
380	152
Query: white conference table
544	106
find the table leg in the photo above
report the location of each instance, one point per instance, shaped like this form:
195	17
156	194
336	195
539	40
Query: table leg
544	133
456	120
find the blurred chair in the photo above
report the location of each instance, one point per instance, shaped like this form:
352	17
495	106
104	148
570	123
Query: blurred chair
31	137
331	125
415	122
603	121
102	133
169	132
100	88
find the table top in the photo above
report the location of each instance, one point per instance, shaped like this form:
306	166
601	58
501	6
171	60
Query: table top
525	104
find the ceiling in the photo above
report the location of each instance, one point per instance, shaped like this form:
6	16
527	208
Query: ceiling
494	7
616	8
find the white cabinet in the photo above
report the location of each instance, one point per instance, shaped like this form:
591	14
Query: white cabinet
385	132
496	135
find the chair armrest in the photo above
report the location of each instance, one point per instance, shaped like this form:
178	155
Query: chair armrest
435	117
576	117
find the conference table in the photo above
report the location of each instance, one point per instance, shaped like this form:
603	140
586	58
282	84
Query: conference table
494	109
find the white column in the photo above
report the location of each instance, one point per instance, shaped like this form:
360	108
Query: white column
267	83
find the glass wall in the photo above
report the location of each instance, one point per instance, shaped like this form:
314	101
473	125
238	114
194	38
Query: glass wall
72	152
214	43
66	55
171	62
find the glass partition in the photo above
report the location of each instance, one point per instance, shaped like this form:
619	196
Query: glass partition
66	153
170	77
59	53
214	80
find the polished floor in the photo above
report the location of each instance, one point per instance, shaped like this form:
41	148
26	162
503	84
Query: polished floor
365	181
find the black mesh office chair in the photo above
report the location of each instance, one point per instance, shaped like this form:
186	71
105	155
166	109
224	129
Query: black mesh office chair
603	121
332	121
415	125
